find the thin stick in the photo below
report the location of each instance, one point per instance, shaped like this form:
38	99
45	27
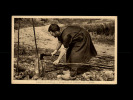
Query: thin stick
35	37
18	45
36	45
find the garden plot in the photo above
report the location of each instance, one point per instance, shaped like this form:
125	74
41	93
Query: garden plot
46	44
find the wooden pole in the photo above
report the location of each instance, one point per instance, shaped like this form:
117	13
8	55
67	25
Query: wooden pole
85	64
82	64
36	47
18	45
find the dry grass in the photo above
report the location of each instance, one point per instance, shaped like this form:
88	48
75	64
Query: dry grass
103	39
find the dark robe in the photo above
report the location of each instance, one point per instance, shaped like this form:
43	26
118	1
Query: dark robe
79	44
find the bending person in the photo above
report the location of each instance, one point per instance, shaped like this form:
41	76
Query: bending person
77	43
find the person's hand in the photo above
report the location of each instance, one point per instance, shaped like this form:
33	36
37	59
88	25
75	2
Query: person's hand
53	53
56	62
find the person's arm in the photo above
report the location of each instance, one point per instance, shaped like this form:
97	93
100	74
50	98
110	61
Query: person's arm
57	48
63	51
66	43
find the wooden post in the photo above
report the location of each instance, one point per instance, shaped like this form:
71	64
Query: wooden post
43	64
18	45
37	61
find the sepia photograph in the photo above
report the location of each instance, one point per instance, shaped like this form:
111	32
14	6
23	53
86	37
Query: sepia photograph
64	49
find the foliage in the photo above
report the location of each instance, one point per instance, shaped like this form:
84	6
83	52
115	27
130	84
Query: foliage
27	22
99	26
